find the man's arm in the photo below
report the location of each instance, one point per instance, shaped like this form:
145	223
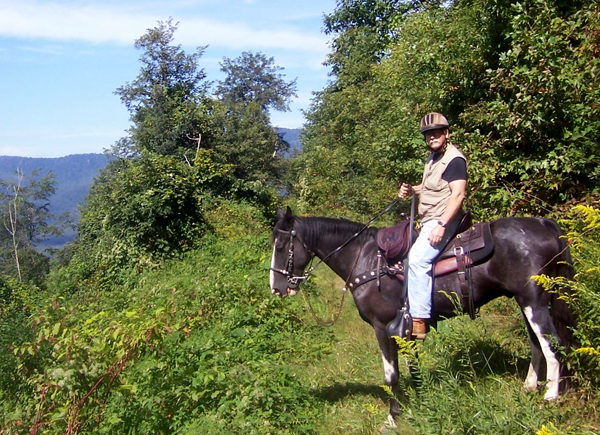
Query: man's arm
458	190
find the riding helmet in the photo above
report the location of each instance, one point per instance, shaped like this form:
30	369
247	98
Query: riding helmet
432	121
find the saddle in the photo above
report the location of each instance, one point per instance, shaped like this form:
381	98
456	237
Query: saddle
472	244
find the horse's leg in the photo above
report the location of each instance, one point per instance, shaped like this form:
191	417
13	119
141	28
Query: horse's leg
389	354
535	365
538	317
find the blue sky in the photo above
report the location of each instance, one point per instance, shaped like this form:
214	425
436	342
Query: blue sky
61	61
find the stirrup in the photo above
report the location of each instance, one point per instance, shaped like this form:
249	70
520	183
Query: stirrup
401	326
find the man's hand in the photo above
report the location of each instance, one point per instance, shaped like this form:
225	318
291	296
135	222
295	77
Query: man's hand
405	190
436	235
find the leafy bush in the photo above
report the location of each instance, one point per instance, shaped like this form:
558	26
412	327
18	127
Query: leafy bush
199	344
583	293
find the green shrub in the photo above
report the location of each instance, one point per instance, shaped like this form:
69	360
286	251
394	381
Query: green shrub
583	293
198	344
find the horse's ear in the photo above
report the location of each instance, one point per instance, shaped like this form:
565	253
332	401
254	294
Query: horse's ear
288	212
280	213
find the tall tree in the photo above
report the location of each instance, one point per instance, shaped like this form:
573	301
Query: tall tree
167	101
253	85
26	221
255	78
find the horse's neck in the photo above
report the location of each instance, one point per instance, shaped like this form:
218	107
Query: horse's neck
343	261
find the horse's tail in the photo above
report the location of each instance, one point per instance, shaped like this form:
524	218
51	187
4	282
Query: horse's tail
562	315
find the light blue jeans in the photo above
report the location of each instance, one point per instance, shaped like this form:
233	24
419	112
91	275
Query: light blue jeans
420	274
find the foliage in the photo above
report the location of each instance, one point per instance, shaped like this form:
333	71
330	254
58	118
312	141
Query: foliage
184	153
583	293
366	120
26	221
253	77
142	212
178	351
249	143
470	377
539	128
253	85
161	323
167	100
518	82
201	345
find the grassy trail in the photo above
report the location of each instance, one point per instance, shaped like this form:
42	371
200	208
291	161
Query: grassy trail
472	378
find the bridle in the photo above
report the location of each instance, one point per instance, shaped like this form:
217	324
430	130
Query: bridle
293	280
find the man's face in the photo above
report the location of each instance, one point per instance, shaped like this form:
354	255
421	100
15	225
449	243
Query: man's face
436	138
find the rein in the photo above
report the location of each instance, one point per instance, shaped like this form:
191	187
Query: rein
289	270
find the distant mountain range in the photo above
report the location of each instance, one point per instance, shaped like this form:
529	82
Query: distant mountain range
74	175
291	136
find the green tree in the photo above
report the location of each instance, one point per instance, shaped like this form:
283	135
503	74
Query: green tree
253	85
167	101
539	129
255	78
517	80
339	169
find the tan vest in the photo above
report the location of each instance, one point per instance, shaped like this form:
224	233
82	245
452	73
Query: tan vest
435	192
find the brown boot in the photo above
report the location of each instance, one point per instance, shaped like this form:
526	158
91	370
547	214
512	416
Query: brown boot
419	329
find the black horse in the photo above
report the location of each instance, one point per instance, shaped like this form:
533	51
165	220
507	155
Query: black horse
523	247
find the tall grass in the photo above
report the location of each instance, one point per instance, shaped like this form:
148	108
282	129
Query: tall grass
201	346
470	377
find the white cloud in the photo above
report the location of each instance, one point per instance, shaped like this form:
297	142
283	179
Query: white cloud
45	49
239	36
60	22
122	25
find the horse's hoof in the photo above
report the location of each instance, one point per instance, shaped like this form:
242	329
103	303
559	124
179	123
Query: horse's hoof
389	426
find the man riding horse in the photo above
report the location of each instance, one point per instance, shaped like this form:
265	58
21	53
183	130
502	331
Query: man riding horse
441	195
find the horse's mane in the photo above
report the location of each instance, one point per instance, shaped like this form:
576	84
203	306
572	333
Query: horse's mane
315	227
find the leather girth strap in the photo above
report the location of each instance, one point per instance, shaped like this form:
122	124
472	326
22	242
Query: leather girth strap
464	277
